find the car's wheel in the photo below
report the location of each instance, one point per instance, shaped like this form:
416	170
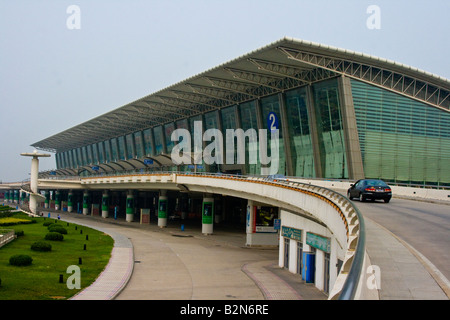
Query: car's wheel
387	200
349	195
361	197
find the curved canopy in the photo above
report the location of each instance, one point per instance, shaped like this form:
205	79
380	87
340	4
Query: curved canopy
282	65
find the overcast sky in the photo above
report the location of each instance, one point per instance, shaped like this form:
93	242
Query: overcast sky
53	77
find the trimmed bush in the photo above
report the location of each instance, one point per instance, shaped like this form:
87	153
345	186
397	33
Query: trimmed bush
54	236
57	228
20	260
19	233
47	223
41	246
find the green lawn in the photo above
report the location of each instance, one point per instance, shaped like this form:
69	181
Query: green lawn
40	281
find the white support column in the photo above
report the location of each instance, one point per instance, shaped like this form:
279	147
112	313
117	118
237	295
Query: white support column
207	215
105	204
70	201
85	202
162	209
34	178
130	206
250	222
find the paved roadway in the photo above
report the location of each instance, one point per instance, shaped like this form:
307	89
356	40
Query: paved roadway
425	226
422	226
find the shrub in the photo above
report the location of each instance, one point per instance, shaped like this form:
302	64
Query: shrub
20	260
5	214
56	228
19	233
41	246
54	236
47	223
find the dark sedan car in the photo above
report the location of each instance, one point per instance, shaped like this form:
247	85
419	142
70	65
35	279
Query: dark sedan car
370	189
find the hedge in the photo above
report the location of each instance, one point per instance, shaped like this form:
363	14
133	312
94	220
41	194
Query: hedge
54	236
57	228
20	260
41	246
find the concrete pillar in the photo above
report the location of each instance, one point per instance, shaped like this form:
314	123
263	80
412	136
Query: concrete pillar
163	203
70	201
105	204
16	196
352	146
47	199
250	223
34	178
130	207
57	200
85	202
207	215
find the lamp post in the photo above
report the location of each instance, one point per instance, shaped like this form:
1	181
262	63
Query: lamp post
34	177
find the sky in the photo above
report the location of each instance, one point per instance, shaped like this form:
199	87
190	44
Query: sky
59	68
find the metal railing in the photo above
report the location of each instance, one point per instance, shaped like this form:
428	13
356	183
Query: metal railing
6	236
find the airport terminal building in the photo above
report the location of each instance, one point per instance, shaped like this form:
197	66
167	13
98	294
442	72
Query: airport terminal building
330	113
340	115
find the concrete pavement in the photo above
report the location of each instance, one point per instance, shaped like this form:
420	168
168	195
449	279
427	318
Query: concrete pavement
152	263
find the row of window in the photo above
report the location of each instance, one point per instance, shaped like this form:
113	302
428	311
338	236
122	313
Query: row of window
401	139
293	106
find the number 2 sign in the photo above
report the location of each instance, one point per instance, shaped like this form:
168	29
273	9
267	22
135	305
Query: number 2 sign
272	121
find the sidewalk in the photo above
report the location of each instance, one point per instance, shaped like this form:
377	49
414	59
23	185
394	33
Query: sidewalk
152	263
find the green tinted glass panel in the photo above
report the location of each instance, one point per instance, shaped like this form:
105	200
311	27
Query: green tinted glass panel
401	139
329	129
247	113
139	144
148	142
268	105
168	129
159	141
130	146
121	144
299	133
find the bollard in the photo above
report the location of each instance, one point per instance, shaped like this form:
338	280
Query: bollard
61	278
87	237
80	261
81	231
84	248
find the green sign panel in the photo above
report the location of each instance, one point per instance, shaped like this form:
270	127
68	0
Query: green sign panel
208	212
292	233
162	208
318	242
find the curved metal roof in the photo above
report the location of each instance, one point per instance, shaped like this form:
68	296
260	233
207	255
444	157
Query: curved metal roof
281	65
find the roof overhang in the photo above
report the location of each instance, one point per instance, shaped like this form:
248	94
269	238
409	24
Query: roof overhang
284	64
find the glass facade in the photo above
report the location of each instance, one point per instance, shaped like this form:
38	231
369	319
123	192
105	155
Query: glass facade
272	105
130	148
330	129
138	143
249	120
401	139
168	129
228	116
121	147
159	140
298	118
148	144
